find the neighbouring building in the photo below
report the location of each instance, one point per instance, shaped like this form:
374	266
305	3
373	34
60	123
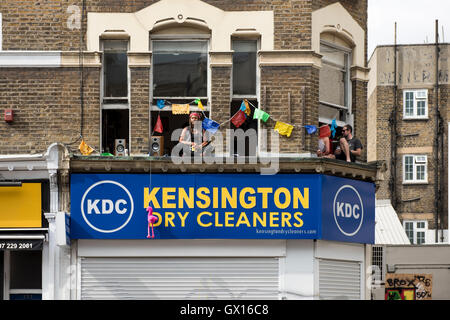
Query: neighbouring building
408	107
260	217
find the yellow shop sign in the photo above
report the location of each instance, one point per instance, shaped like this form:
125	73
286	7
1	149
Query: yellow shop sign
20	207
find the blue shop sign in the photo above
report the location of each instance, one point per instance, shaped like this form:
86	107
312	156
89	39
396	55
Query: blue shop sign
222	206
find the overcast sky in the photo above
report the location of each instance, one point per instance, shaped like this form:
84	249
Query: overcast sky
415	21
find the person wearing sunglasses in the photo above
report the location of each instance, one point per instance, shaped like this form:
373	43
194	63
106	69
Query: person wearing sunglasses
349	147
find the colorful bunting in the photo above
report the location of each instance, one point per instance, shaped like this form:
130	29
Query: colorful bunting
260	114
85	149
158	126
311	129
283	128
239	118
210	125
180	108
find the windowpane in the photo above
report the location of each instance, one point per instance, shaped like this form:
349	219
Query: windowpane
421	108
179	68
420	225
409	229
420	172
409	104
26	270
333	76
409	168
244	67
420	237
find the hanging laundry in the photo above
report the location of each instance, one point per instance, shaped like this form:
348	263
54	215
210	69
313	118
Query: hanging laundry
85	149
210	125
311	129
180	109
245	107
160	104
260	114
283	128
159	126
239	118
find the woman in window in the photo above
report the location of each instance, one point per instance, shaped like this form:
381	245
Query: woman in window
191	133
325	149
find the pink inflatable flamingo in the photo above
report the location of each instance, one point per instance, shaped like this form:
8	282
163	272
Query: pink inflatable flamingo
151	220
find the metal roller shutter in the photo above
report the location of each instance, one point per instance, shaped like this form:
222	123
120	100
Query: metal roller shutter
339	279
179	278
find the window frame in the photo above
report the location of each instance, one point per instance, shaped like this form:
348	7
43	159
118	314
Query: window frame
183	37
257	94
125	104
120	105
416	163
416	230
416	99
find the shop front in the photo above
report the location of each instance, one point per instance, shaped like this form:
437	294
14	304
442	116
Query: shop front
22	236
220	235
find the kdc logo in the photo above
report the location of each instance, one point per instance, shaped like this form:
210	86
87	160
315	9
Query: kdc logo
107	206
348	210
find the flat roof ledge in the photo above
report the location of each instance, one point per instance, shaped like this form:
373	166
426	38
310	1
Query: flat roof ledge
372	171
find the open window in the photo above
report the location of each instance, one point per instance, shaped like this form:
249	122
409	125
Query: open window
115	97
335	87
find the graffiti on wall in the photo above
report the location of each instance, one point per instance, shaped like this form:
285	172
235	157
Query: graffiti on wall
408	286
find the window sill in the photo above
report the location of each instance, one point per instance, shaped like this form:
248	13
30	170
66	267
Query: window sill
415	118
415	182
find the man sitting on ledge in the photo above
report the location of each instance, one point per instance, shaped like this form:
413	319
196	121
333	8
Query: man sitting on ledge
349	147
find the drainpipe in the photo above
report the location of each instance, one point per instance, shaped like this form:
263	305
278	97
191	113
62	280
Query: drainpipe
436	140
393	122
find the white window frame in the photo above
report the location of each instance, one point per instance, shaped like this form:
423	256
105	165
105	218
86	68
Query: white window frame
416	98
418	160
416	229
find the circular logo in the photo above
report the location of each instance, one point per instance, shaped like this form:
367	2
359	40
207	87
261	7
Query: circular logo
348	210
107	206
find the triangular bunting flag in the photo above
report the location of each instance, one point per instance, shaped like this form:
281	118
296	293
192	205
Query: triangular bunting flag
311	129
85	149
333	127
199	104
239	118
245	107
160	104
159	126
210	125
260	114
283	128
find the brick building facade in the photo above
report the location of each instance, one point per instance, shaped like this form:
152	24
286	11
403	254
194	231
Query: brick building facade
417	192
96	70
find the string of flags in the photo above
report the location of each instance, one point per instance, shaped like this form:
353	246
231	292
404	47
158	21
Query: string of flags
237	119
